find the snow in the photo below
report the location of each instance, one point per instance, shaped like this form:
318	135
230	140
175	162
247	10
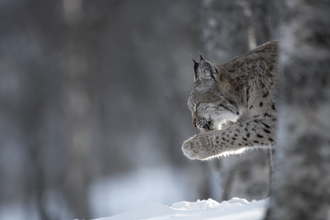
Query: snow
234	209
126	191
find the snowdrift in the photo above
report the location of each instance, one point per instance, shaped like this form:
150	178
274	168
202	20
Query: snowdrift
234	209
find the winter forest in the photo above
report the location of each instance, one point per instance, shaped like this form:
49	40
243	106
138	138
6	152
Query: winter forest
93	98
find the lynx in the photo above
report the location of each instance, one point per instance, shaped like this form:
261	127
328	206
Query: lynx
234	105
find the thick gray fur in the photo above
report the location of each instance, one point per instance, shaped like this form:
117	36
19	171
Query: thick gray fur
234	105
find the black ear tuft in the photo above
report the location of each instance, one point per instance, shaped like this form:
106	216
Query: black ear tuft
200	55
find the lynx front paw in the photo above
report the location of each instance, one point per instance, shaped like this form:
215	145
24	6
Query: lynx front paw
188	149
196	148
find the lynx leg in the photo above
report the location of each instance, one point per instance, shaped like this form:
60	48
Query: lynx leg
232	140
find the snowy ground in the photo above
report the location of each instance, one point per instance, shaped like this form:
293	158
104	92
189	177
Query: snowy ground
234	209
126	191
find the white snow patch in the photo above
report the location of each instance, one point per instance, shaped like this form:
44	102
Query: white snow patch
234	209
124	192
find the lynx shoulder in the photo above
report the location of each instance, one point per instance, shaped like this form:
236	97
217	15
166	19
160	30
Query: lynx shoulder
234	105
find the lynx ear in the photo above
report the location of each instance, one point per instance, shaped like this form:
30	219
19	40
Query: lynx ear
208	70
223	74
196	65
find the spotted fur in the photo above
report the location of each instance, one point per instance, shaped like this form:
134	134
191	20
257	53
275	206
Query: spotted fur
234	105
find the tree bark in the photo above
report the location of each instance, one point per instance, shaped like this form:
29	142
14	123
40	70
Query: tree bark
301	182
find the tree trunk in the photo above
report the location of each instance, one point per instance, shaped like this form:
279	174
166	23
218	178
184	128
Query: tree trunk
301	183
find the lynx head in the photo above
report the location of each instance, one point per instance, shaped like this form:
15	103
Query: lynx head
207	99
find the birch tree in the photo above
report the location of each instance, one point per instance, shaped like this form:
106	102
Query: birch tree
301	182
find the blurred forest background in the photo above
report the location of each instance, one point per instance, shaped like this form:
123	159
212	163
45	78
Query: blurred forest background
93	104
